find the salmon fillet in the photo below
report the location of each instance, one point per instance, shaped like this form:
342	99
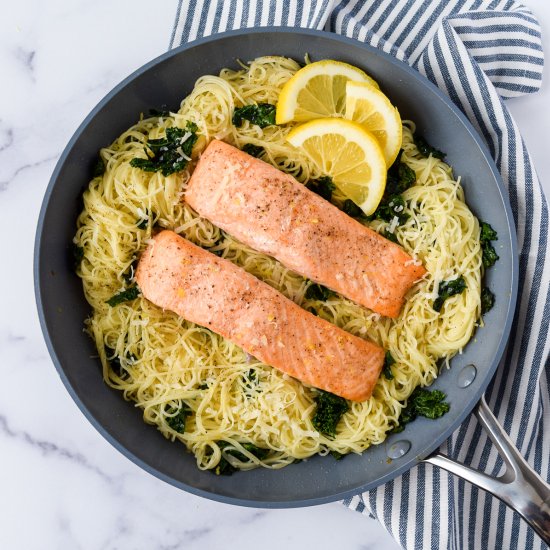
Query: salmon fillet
175	274
275	214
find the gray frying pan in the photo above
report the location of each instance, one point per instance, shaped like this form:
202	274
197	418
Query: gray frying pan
62	307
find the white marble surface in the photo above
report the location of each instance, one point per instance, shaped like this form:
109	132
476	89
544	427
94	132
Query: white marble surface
61	484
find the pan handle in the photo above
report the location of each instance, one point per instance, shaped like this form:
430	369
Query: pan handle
520	487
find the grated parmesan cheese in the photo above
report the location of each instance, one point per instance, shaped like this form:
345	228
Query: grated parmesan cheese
394	223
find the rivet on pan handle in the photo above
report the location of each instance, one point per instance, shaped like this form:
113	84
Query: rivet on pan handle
520	487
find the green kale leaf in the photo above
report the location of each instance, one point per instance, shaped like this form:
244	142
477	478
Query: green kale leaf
77	255
168	154
178	416
488	254
99	168
487	300
388	362
318	292
224	467
352	210
337	456
390	236
406	175
330	409
253	150
116	364
124	296
393	207
144	222
251	377
487	232
262	114
425	149
163	112
400	177
323	187
448	289
129	274
428	403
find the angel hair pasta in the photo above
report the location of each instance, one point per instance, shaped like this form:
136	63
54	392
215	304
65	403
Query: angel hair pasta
225	406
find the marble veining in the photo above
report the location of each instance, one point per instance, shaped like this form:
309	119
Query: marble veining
26	58
6	137
50	449
4	184
62	484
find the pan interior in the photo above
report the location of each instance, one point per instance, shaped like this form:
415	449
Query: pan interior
62	307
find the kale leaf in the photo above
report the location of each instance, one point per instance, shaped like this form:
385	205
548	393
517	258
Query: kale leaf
318	292
177	420
390	236
488	254
330	409
487	300
262	114
487	232
388	362
116	364
393	207
130	273
425	149
253	150
488	257
251	377
124	296
322	186
448	289
430	403
224	467
400	177
162	112
144	222
77	255
168	154
406	176
427	403
99	168
336	455
351	209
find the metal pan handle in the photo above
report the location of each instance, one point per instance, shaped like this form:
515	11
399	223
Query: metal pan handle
520	487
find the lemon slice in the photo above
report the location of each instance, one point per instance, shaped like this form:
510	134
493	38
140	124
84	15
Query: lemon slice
317	90
368	106
349	154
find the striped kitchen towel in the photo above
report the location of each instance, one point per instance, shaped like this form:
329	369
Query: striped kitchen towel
479	52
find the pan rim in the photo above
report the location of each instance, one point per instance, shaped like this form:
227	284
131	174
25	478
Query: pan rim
275	503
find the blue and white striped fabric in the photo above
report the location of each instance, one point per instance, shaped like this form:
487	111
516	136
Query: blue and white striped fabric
479	52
